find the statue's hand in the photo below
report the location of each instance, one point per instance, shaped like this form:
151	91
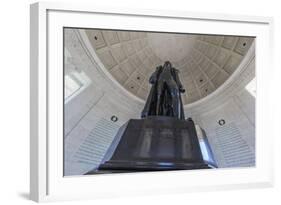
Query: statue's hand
182	90
153	79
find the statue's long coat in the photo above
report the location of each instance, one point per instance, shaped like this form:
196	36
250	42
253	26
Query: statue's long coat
150	105
176	78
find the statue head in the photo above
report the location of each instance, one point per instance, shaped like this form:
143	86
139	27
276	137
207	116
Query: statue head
167	64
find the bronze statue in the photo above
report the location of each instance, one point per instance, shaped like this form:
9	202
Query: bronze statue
165	94
157	142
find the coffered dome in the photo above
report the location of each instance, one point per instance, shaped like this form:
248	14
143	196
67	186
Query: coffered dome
205	61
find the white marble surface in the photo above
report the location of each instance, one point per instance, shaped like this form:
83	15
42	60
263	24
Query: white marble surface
103	99
205	61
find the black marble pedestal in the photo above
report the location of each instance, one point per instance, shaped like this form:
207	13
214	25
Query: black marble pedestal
156	143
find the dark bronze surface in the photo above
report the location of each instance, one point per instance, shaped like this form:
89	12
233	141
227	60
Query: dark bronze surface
164	98
162	139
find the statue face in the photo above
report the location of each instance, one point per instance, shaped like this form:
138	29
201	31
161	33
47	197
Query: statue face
167	64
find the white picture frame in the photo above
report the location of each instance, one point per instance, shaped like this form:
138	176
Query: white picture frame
46	179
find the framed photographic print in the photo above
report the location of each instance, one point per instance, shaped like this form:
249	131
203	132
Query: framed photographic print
128	101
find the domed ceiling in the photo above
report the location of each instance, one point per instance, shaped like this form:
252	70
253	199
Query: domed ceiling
205	62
